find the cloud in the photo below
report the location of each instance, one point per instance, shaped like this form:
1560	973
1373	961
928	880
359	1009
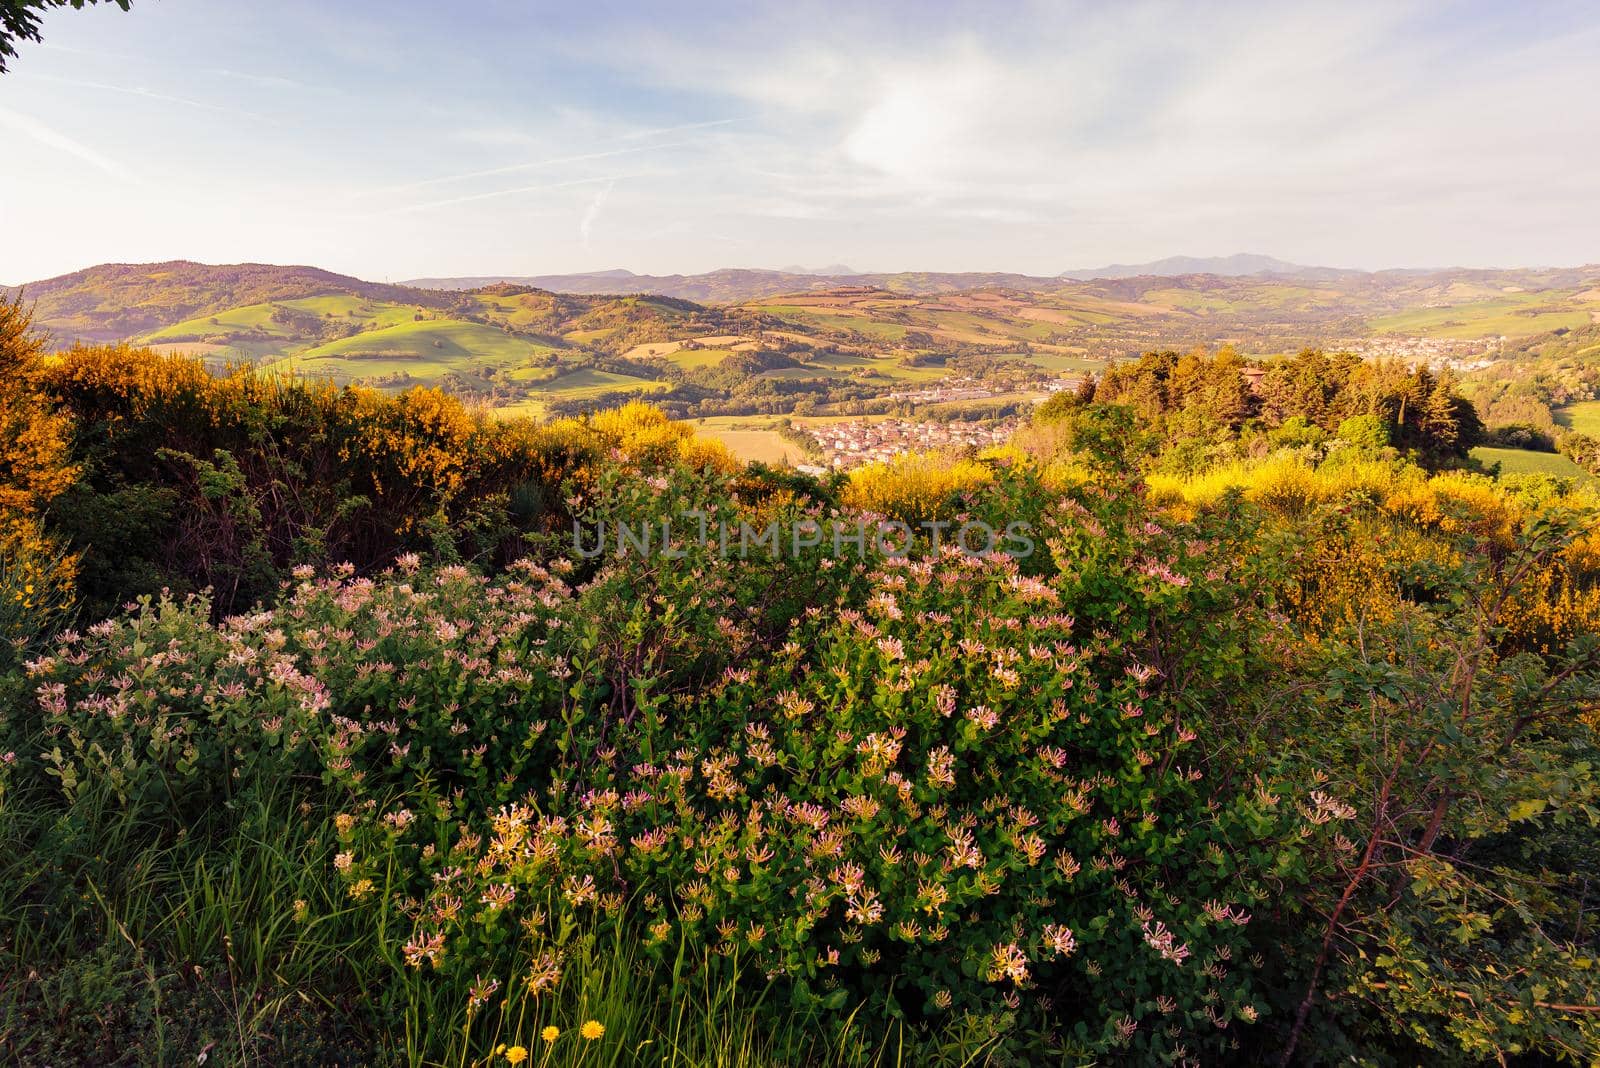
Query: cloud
1037	136
128	90
270	81
55	139
591	214
610	179
531	165
661	130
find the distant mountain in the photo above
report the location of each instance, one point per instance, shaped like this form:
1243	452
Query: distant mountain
832	270
1239	265
733	285
264	312
113	301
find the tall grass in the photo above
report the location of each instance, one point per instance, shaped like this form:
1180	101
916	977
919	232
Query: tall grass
129	938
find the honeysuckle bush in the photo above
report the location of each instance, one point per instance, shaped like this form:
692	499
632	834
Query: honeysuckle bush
933	786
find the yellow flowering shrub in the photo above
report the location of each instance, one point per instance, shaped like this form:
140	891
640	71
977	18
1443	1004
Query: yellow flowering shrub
1458	503
1357	579
36	467
914	486
646	435
1287	484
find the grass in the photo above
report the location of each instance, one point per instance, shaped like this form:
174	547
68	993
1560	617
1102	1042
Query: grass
230	943
279	328
1509	315
828	318
1584	417
590	383
1064	364
691	359
1529	462
426	351
751	440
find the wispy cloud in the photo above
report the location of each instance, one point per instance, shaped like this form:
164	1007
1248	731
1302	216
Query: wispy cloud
270	81
515	168
55	139
1046	135
591	214
518	190
661	131
149	94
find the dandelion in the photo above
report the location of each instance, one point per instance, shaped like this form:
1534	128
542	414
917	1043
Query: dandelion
516	1054
592	1029
550	1033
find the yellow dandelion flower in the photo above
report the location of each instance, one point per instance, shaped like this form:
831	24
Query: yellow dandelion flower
551	1033
592	1029
516	1054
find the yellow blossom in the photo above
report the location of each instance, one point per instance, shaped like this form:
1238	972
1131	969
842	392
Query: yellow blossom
592	1029
516	1054
550	1033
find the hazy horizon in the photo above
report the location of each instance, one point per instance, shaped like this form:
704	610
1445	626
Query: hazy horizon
404	140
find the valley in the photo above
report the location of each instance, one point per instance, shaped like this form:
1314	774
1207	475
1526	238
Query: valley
756	347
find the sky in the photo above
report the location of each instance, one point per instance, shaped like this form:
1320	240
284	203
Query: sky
402	139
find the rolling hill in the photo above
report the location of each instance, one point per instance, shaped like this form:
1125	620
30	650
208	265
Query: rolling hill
738	341
1241	263
734	285
116	301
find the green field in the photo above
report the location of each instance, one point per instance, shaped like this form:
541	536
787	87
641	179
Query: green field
1529	462
1584	417
1509	315
752	438
427	351
826	319
269	318
1063	364
589	383
692	359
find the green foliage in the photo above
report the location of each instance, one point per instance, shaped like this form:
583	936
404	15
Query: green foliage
966	794
1583	450
1292	758
19	21
1369	431
191	481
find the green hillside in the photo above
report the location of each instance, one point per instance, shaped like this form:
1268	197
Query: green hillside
423	352
1529	462
1584	417
1509	315
279	328
831	343
120	301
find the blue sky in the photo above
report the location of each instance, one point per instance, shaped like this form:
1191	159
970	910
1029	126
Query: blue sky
392	140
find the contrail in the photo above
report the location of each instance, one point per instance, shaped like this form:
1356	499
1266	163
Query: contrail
529	166
676	129
608	178
151	95
60	141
